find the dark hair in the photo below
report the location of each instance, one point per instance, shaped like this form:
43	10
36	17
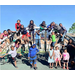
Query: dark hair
32	21
43	22
8	29
4	31
18	40
65	49
69	41
18	20
12	46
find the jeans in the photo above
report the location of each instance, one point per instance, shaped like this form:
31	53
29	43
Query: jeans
32	34
42	33
62	39
38	42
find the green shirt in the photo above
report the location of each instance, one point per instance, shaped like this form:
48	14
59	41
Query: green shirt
53	38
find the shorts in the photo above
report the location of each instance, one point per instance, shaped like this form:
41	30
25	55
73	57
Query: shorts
33	60
14	58
57	59
65	61
53	44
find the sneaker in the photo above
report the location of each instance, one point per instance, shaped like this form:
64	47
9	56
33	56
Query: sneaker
31	67
63	67
35	68
56	67
16	67
67	68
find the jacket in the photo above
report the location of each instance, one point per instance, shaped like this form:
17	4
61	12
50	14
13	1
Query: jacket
33	51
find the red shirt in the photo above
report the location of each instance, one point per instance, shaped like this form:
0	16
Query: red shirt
17	26
28	35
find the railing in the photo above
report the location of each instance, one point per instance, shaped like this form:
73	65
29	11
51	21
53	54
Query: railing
46	44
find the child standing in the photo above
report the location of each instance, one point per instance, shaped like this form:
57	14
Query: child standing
51	57
32	56
57	56
53	39
65	58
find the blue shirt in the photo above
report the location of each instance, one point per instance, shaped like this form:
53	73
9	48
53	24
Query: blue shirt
37	36
32	51
50	26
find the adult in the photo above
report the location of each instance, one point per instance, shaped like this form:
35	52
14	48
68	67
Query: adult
71	49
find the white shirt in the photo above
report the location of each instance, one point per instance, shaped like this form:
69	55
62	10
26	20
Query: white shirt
13	52
57	53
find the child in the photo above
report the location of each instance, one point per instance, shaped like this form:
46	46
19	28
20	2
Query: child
32	56
65	58
51	57
17	27
53	39
17	43
10	33
37	38
13	54
31	29
42	26
57	56
25	36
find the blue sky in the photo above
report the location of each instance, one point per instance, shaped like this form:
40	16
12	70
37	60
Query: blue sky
64	14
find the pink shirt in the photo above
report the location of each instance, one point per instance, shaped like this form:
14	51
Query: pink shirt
4	35
65	56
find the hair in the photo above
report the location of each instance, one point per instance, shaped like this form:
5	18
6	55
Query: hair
65	49
56	47
12	46
60	23
69	41
8	29
31	20
18	20
4	31
18	40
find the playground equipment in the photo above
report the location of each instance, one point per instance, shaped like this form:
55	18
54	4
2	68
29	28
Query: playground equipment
45	45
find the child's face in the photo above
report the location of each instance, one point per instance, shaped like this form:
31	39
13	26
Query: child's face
65	51
56	48
12	48
31	22
5	32
22	26
18	21
9	31
52	33
34	46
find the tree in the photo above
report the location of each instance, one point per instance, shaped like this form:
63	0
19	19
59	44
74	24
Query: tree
0	32
72	29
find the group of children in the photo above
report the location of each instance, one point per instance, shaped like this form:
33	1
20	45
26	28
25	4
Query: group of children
54	54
